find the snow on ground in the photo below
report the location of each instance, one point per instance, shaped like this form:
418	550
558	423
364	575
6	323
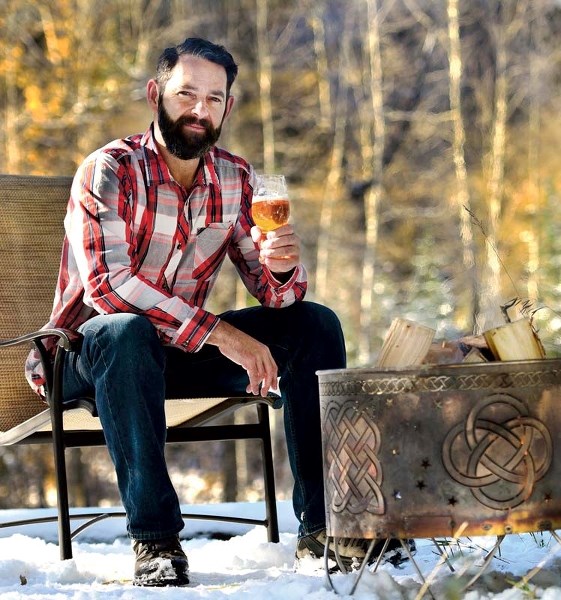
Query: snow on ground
246	566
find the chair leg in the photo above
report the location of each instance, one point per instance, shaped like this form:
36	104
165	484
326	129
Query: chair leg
64	535
268	474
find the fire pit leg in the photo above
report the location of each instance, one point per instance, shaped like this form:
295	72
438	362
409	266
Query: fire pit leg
443	555
367	558
425	587
405	546
539	566
342	566
380	556
554	534
328	579
486	562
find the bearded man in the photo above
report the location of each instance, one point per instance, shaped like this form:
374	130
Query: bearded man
150	221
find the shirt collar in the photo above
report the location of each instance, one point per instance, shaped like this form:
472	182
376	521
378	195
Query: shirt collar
207	174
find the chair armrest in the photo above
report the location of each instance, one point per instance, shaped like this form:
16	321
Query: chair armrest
67	338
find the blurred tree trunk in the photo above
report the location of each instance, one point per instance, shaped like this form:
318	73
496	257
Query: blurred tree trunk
508	26
461	198
332	190
12	155
490	314
531	236
373	161
265	77
12	161
322	64
78	476
230	471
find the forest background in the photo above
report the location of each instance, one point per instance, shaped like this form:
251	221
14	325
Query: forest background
420	140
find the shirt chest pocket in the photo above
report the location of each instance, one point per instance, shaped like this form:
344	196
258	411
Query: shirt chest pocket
210	245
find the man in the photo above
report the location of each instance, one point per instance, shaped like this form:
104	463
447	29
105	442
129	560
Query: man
150	220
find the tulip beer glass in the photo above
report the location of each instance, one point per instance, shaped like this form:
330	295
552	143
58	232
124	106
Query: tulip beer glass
270	208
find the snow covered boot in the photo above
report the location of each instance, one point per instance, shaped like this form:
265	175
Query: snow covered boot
160	563
351	551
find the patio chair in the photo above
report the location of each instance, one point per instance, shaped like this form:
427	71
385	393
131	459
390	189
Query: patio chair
32	209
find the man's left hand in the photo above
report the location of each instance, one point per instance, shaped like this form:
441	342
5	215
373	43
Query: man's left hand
279	249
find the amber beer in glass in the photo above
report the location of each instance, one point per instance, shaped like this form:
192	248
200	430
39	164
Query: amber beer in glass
270	207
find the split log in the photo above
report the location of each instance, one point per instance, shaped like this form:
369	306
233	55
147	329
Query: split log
405	345
515	341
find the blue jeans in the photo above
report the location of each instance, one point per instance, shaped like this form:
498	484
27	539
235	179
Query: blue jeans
124	365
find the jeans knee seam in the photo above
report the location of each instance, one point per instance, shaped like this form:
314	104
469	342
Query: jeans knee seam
110	407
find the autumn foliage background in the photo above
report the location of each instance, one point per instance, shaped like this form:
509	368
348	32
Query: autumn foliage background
420	139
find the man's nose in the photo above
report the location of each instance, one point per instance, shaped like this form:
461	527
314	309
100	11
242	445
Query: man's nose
200	109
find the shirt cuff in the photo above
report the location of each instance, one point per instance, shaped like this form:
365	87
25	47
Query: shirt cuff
279	286
194	332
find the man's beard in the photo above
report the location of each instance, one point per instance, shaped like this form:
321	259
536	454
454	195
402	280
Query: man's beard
186	145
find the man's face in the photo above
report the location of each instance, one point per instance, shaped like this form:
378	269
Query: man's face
182	141
192	107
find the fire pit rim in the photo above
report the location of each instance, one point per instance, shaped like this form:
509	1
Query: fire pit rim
452	368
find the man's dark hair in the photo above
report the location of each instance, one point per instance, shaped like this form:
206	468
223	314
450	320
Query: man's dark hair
196	47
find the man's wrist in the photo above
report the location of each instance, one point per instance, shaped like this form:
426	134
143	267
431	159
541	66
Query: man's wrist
283	277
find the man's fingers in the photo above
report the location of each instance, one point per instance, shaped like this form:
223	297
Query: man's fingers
256	234
253	356
262	379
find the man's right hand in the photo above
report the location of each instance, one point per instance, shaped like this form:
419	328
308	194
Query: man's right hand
252	355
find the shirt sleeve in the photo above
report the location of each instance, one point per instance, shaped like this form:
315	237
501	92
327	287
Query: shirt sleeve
257	278
100	232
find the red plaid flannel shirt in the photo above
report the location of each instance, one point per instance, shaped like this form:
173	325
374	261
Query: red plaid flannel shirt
137	242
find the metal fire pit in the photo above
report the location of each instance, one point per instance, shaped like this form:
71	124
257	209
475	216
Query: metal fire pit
432	451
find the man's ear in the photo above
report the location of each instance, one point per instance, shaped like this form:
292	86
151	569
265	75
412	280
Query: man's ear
229	105
152	94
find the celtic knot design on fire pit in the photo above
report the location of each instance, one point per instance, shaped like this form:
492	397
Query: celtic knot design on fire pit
499	452
354	470
422	382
